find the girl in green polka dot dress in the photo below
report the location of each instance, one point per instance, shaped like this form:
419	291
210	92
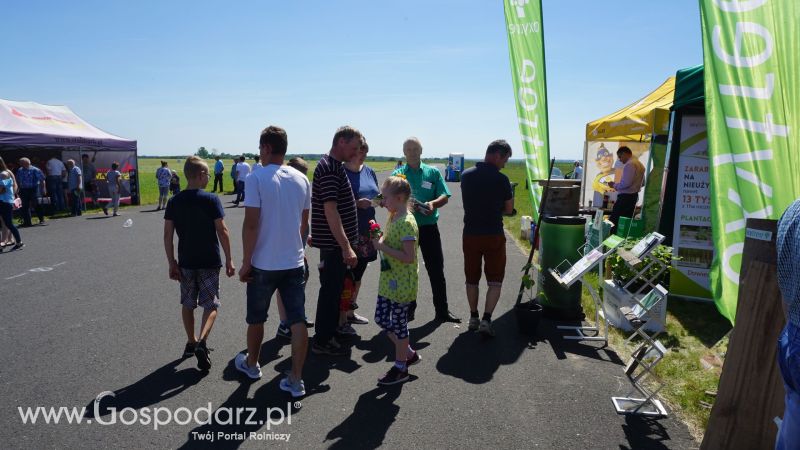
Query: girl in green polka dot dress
398	283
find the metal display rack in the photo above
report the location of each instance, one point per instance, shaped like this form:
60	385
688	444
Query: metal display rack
650	351
576	272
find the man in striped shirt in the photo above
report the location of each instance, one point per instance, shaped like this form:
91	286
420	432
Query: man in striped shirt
334	228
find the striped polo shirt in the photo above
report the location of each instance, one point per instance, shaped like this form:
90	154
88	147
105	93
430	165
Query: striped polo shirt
332	185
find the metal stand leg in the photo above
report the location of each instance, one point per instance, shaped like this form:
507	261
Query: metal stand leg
580	331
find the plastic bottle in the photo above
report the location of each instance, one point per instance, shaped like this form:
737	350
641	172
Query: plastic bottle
128	223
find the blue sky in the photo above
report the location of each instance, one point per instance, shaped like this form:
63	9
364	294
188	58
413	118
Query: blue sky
177	75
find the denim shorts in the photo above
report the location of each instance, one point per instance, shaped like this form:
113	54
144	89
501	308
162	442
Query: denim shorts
292	287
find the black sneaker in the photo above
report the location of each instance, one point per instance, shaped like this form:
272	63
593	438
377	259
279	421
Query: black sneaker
394	376
18	246
201	353
188	351
284	331
331	348
413	359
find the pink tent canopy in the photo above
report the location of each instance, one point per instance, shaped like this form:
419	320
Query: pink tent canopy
29	124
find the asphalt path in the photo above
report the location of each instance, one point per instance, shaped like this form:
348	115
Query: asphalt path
87	308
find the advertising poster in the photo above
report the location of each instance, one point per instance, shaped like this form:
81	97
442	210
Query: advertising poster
691	238
600	167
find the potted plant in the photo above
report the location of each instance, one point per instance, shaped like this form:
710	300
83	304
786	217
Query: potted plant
528	312
622	273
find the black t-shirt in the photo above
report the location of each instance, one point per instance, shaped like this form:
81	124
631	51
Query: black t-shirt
193	212
331	184
484	191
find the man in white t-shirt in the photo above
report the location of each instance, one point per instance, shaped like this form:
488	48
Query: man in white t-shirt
275	221
56	172
242	171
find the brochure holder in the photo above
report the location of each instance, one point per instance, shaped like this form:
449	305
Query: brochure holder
644	359
649	352
577	272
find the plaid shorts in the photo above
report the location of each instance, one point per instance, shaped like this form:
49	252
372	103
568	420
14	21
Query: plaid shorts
200	287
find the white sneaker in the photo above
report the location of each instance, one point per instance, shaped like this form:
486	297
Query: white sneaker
297	389
241	365
473	323
485	328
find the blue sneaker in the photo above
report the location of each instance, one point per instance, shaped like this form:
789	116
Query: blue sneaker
296	388
241	365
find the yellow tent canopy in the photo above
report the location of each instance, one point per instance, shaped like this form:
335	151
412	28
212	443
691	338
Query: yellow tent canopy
637	121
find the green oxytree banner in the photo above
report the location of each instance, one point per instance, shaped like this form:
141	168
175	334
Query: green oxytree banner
526	48
752	87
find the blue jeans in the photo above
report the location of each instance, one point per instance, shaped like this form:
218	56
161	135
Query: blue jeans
239	191
789	363
6	213
289	283
56	191
77	202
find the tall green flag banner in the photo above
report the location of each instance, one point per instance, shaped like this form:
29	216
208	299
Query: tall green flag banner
526	49
752	87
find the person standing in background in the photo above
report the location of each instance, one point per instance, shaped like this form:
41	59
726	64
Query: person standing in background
89	177
75	187
577	174
242	171
430	193
8	194
56	172
7	174
234	168
628	187
30	180
163	177
219	168
114	179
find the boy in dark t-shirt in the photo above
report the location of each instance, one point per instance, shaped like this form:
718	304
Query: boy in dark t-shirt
197	217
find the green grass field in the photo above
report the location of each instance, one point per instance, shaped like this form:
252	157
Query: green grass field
149	187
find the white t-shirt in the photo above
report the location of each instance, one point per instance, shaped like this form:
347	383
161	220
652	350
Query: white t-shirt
242	171
55	167
282	193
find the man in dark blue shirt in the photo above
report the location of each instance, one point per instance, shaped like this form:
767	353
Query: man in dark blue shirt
487	196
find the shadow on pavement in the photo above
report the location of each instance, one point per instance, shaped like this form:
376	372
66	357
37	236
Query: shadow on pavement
380	348
239	415
561	346
642	432
156	387
475	359
373	415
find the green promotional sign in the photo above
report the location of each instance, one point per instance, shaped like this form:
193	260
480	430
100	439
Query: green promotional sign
526	48
752	88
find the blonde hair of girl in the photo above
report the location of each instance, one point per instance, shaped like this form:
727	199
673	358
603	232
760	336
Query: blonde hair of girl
396	185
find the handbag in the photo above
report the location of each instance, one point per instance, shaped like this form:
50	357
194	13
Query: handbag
365	249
